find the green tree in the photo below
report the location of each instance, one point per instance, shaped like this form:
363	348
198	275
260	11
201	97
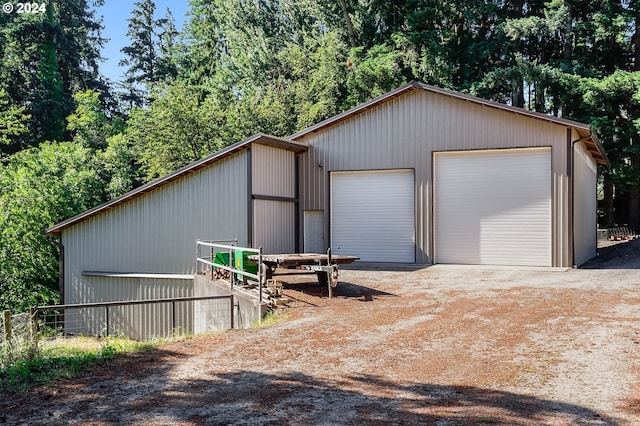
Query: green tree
12	120
121	168
44	59
40	187
149	57
372	72
88	123
182	124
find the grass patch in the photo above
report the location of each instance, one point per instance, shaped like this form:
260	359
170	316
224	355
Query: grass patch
273	317
487	420
63	358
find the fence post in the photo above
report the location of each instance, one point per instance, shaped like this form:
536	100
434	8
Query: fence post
260	273
34	331
173	318
106	320
231	265
231	309
7	326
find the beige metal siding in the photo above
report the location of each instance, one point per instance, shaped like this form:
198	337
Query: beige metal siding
274	221
156	232
272	171
138	321
585	204
403	133
274	226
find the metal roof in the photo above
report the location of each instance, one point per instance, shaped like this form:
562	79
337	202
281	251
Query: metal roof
190	168
586	132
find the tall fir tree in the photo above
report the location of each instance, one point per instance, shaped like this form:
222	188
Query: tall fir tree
44	59
149	57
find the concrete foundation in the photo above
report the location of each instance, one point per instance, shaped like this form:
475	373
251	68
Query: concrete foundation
212	315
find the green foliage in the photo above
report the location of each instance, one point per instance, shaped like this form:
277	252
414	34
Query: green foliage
120	165
12	120
181	125
372	72
44	58
272	317
40	187
149	57
613	103
88	123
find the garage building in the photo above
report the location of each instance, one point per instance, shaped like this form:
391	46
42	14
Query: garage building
426	175
417	175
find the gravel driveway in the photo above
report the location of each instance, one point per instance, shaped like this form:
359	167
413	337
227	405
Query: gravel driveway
439	345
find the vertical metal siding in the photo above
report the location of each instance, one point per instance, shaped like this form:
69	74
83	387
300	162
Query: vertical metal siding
274	222
585	204
274	226
156	233
137	322
403	132
273	171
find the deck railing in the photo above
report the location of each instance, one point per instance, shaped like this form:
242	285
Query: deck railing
206	254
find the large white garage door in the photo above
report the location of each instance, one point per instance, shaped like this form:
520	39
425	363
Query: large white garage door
493	207
372	215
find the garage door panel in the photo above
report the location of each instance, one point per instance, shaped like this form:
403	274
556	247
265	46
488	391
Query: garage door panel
493	207
372	215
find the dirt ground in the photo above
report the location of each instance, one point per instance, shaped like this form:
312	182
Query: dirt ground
401	345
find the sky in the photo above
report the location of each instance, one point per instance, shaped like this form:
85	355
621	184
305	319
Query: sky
115	14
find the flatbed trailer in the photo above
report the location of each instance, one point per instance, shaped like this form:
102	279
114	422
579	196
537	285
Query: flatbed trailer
325	266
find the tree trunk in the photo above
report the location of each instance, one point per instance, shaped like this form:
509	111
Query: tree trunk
517	93
567	48
347	19
608	201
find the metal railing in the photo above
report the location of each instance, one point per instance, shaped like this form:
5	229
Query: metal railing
212	247
97	319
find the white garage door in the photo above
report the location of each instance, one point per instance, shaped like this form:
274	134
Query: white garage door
372	215
493	207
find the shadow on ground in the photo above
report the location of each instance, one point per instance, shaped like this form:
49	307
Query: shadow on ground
344	289
384	266
144	395
625	255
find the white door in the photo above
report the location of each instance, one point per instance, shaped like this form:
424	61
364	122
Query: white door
493	207
372	215
313	231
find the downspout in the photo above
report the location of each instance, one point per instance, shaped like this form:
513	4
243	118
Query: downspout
298	211
249	199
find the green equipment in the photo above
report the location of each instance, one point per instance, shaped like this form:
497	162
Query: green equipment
241	261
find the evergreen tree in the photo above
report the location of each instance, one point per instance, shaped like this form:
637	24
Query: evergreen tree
149	57
44	59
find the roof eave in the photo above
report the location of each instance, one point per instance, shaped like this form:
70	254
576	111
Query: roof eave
598	153
190	168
